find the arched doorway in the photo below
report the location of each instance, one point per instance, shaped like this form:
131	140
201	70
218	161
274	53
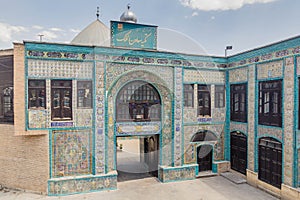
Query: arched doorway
270	161
204	157
206	139
238	151
138	117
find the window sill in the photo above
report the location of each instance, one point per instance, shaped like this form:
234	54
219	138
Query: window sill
62	120
236	121
269	126
150	120
40	108
204	116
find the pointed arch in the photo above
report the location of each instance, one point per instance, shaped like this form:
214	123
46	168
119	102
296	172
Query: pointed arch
204	136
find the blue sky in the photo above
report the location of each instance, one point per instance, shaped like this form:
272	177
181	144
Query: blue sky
208	24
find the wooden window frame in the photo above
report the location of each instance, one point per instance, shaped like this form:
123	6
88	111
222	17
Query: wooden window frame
61	100
203	97
84	94
134	102
36	94
219	92
7	105
238	102
270	103
188	93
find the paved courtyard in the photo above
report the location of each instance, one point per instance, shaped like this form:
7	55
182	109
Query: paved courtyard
210	188
134	183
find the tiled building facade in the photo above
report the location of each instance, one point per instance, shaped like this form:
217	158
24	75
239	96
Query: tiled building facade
241	110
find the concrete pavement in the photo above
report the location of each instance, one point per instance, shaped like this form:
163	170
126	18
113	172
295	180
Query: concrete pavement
210	188
134	183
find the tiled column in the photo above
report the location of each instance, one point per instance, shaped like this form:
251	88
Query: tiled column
100	147
288	125
251	117
178	116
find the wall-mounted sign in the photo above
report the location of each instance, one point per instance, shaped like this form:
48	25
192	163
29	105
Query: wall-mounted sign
205	119
131	35
61	124
138	128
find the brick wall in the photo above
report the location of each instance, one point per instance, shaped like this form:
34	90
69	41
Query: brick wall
24	160
19	92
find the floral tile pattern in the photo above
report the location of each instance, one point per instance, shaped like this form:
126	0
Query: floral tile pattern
71	153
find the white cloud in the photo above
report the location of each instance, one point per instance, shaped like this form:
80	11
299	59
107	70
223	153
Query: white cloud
195	14
37	27
208	5
7	31
75	30
56	29
10	33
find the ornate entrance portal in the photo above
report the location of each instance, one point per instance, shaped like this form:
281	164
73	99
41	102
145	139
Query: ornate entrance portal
138	117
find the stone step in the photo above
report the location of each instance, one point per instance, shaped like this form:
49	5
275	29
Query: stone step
233	177
206	174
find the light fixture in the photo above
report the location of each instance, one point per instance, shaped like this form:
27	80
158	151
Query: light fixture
226	49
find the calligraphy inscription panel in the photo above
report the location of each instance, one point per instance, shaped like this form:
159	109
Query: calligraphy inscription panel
130	35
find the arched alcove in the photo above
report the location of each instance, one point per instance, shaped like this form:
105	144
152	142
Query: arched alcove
204	135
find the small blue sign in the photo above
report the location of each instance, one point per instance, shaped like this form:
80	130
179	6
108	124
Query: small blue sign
61	124
205	120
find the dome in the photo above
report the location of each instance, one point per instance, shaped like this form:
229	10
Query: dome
128	16
95	34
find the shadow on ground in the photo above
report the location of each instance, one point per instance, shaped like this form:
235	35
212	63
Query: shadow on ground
127	176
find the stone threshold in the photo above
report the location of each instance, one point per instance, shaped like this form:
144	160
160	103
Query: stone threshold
206	174
234	177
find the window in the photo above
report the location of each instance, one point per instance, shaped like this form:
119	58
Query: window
188	95
238	102
204	100
8	109
84	94
61	100
36	94
138	101
219	96
270	103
